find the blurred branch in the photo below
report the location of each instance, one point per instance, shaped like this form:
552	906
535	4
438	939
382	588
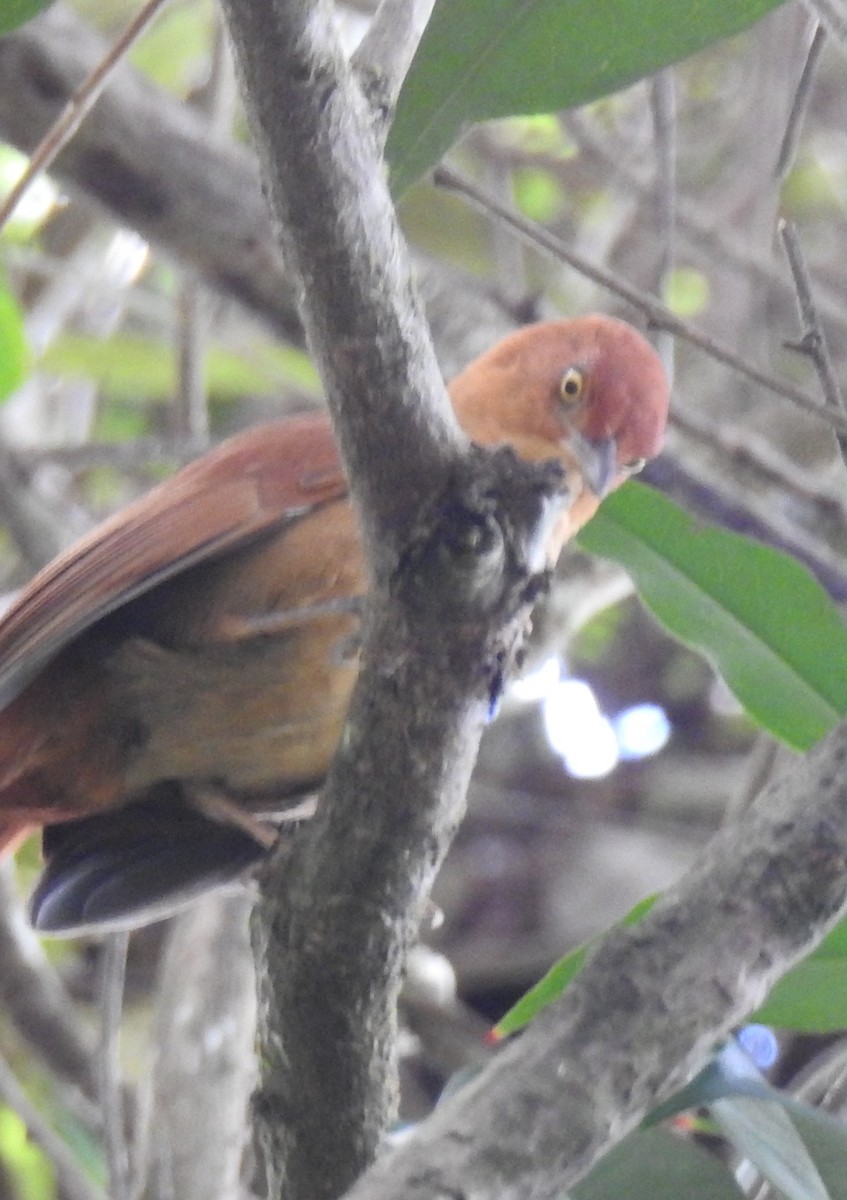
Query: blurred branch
813	339
646	1010
656	313
663	108
78	107
112	977
203	1064
695	222
386	52
832	14
36	1000
146	158
37	531
217	101
800	104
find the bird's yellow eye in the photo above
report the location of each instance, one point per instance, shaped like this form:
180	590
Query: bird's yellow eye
572	384
635	465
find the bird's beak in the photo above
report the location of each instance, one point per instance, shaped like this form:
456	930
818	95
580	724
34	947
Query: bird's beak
597	459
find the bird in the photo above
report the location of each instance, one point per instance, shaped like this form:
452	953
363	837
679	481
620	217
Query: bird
185	668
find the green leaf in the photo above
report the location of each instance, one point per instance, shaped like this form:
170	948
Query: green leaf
14	350
653	1164
493	58
14	13
756	614
801	1151
812	997
764	1132
826	1140
551	986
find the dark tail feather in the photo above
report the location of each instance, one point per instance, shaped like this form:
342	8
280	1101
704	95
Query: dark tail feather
134	865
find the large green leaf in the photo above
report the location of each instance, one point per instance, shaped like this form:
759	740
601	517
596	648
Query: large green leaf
652	1164
801	1151
765	623
812	998
493	58
17	12
763	1132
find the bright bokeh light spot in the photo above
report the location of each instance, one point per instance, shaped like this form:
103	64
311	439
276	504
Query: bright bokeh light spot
641	731
578	731
40	197
759	1041
126	257
538	684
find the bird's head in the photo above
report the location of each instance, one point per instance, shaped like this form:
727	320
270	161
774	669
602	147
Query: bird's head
590	391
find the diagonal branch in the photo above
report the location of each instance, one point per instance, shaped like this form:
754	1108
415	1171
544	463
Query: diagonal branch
386	52
648	1007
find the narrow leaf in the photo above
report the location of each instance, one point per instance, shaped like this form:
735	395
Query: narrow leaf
551	986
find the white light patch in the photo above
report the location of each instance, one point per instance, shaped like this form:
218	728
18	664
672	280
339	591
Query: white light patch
40	197
722	701
126	257
641	731
538	684
578	732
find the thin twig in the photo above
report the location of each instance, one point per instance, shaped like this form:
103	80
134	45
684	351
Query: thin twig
217	100
656	313
663	109
799	105
78	107
386	52
812	340
33	996
71	1181
112	976
191	409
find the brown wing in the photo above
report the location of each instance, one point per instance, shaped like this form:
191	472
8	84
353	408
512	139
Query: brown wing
249	485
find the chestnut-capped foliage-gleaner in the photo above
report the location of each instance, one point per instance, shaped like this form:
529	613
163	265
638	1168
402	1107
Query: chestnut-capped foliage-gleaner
150	703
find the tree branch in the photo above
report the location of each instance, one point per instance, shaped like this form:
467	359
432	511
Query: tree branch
456	547
387	50
647	1009
34	997
147	160
363	322
202	1066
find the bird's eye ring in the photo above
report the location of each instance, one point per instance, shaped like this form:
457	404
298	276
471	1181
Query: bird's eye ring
571	385
635	465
